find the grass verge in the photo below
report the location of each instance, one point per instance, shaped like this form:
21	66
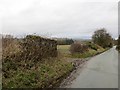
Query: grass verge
89	53
43	75
64	50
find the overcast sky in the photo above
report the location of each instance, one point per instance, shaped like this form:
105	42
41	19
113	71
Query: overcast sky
58	18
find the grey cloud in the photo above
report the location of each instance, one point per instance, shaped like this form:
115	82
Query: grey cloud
63	18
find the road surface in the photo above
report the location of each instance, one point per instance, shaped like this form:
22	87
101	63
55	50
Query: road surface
99	72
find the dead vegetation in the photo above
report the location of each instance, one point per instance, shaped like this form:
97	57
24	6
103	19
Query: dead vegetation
32	62
78	48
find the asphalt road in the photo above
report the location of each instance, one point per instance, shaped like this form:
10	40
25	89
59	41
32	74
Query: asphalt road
99	72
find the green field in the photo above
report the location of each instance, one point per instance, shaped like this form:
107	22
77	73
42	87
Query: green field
64	48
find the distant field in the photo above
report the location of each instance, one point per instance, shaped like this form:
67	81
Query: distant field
64	48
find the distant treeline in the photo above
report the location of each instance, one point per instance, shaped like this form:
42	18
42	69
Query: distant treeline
64	41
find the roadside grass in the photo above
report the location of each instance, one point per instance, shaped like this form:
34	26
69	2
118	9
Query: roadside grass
19	71
43	75
47	73
89	53
64	50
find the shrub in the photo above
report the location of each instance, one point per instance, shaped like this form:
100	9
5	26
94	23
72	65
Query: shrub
38	47
78	48
92	46
23	67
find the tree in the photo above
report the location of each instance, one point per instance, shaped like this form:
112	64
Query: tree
102	38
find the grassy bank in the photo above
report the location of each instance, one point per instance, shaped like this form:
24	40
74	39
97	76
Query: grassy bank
89	53
23	67
65	51
43	74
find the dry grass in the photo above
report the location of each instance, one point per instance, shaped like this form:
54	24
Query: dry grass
46	74
23	71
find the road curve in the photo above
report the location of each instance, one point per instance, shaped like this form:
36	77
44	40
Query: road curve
99	72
